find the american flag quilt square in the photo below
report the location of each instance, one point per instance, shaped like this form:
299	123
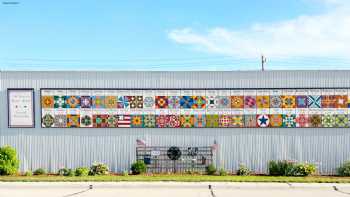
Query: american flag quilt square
124	121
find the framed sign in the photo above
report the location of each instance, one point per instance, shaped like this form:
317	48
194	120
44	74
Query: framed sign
20	108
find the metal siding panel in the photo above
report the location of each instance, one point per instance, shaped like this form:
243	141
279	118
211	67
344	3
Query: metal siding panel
55	148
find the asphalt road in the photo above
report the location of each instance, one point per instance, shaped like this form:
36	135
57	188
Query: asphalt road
169	189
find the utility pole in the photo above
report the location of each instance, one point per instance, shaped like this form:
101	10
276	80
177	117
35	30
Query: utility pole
263	61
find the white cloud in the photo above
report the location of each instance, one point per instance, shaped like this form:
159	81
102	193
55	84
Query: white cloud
324	35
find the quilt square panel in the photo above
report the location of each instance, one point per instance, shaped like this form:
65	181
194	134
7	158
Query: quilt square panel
186	102
328	101
136	121
315	120
212	121
173	121
60	121
237	121
85	102
223	102
148	102
225	121
341	101
161	102
199	102
73	121
100	120
123	102
199	120
112	121
262	101
289	120
47	102
275	102
250	121
124	121
249	102
48	120
301	101
136	102
341	121
73	101
276	120
263	120
302	121
174	102
328	120
149	121
86	121
211	102
314	101
98	102
187	121
59	101
288	101
161	121
237	102
111	102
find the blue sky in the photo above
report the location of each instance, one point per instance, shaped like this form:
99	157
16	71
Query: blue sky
173	35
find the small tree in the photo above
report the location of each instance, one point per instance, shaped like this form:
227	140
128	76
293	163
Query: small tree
9	162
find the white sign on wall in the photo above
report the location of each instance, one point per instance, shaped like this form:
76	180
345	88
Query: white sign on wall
20	108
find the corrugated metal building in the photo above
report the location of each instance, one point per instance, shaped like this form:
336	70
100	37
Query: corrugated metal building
54	148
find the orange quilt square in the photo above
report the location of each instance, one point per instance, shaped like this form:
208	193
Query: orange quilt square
262	101
237	101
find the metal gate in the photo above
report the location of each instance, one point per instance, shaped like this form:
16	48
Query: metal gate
164	159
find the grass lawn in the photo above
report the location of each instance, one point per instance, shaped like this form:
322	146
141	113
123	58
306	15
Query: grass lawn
178	178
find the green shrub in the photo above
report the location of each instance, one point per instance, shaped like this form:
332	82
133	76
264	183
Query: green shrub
9	162
304	169
66	172
344	169
39	171
211	170
243	171
281	168
28	173
222	172
82	171
99	169
290	168
139	167
63	171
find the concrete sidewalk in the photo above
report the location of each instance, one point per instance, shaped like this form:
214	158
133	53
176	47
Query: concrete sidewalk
170	189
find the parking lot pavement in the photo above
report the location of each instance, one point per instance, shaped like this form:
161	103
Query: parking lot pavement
171	189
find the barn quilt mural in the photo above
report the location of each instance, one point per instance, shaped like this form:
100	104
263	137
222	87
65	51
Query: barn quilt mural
236	108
